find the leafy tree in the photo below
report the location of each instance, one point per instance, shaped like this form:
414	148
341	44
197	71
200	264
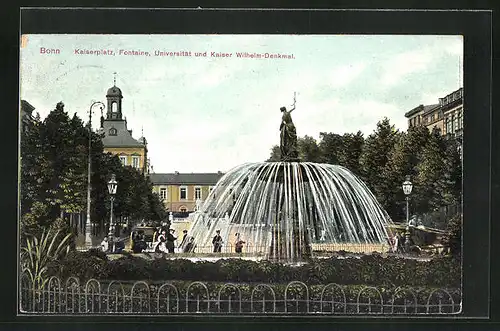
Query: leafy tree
403	162
54	171
330	147
453	238
453	174
157	212
350	153
430	183
275	154
308	149
377	150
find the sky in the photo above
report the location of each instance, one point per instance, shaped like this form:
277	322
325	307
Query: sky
209	114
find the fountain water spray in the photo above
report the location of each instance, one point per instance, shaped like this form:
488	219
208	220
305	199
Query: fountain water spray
280	209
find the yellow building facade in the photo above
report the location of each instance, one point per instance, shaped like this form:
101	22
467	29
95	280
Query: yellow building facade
118	139
183	192
447	115
131	156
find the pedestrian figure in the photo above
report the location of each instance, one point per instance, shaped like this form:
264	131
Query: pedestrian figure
170	241
395	244
238	245
105	244
161	246
189	248
217	242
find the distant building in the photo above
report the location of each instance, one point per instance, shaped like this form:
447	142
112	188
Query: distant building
26	115
118	138
426	116
453	113
447	115
181	192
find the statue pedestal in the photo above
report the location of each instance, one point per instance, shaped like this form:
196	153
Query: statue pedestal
290	159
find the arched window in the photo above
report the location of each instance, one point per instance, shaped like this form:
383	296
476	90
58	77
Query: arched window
112	132
114	107
183	209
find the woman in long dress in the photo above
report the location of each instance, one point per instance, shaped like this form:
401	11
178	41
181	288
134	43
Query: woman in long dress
161	246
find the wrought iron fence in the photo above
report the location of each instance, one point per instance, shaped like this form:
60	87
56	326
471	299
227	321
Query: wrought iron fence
251	250
119	297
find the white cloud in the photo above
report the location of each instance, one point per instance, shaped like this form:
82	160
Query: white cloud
214	76
202	114
343	75
403	64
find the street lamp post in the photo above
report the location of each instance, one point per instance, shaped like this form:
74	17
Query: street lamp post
88	224
112	186
407	187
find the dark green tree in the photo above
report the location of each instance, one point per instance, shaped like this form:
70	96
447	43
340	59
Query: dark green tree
331	147
308	149
350	153
453	174
275	154
403	162
430	182
453	237
377	150
54	171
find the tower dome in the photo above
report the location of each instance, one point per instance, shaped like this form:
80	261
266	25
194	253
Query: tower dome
114	96
114	91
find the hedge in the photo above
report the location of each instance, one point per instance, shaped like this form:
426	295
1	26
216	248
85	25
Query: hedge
443	272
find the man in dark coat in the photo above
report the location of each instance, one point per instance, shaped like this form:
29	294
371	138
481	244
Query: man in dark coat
217	242
190	246
170	241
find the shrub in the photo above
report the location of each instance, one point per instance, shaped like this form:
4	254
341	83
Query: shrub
453	239
367	270
40	252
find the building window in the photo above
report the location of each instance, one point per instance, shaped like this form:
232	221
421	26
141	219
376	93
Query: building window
163	193
455	125
452	124
135	161
418	119
183	193
112	132
114	107
183	209
197	193
460	121
123	160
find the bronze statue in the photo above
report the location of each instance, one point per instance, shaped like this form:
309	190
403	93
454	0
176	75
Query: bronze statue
288	136
60	106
